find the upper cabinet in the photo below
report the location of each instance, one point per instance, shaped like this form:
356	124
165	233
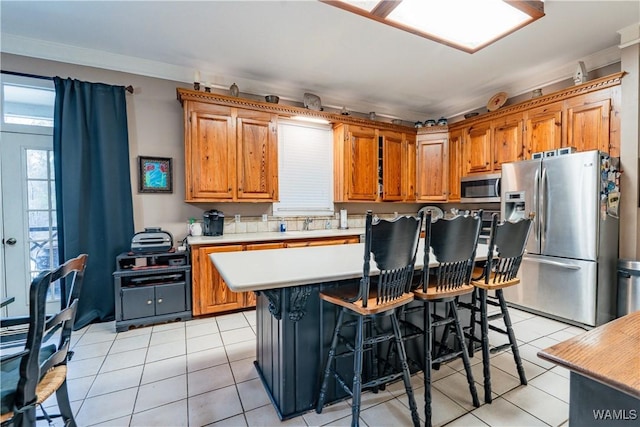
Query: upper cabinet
543	129
372	164
476	149
585	117
432	166
230	154
355	163
588	122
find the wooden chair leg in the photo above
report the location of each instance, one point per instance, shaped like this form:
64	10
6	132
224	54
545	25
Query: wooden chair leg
406	375
465	355
357	374
512	337
327	369
484	325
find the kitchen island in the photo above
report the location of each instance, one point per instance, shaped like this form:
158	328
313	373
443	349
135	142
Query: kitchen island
294	327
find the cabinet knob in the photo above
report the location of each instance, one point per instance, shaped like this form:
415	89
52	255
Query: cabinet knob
149	302
159	300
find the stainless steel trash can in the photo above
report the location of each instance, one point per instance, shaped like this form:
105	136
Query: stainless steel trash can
628	286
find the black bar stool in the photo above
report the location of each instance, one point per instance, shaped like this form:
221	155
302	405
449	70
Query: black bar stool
506	248
394	245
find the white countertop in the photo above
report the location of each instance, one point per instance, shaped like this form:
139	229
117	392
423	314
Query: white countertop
272	236
281	268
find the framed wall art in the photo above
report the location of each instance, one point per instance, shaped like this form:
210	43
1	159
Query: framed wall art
155	175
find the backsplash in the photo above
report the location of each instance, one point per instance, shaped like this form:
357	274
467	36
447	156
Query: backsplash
251	224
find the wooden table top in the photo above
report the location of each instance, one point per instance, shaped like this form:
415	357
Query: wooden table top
609	354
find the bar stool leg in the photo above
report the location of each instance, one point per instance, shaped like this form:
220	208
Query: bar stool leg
406	375
484	325
512	337
357	374
327	369
427	362
465	355
472	322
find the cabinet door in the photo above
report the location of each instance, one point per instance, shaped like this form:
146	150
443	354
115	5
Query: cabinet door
476	150
543	130
507	140
257	158
588	123
210	154
455	165
392	166
249	298
432	169
170	298
210	293
137	302
409	169
361	161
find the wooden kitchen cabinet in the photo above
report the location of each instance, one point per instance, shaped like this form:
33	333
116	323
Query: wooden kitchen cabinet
476	149
230	154
507	137
432	167
355	163
543	129
398	157
455	165
588	121
210	293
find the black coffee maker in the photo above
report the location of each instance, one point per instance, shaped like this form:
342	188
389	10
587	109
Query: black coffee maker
213	223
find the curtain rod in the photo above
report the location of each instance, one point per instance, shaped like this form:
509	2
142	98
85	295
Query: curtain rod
35	76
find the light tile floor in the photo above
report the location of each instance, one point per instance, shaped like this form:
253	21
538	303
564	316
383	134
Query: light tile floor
201	373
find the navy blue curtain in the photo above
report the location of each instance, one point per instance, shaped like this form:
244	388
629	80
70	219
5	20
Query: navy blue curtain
93	187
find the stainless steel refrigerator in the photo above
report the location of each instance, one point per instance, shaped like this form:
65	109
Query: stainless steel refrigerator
569	268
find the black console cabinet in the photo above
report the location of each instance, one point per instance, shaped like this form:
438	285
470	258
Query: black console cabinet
152	288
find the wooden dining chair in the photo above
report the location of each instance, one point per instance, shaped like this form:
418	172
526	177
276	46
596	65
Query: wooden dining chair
394	246
506	249
32	375
450	244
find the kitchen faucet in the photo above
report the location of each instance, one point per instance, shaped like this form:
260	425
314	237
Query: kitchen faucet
305	225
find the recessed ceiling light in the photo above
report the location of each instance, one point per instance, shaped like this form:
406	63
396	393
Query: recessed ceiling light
468	25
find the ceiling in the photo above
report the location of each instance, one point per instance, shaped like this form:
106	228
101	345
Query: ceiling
288	48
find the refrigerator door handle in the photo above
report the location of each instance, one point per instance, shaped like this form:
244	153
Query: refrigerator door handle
536	208
554	263
543	209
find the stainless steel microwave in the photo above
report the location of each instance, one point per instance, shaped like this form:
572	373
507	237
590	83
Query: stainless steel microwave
480	188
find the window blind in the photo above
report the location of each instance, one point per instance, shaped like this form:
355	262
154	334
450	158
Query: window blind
305	169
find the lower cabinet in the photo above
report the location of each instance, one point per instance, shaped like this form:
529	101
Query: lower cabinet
211	295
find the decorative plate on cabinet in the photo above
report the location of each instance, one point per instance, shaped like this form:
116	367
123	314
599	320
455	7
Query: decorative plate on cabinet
312	102
497	101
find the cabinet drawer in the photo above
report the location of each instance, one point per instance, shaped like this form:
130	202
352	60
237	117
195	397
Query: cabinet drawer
170	298
137	302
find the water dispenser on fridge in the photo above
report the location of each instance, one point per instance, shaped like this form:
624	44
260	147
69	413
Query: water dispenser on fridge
514	206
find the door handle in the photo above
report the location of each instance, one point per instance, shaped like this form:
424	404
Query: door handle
10	241
554	263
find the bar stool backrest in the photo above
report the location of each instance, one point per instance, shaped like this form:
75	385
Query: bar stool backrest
394	245
453	244
506	248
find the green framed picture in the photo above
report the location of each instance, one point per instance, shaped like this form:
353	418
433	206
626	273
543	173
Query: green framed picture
155	175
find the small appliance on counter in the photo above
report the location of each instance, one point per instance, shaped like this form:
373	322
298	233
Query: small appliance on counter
152	240
213	223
